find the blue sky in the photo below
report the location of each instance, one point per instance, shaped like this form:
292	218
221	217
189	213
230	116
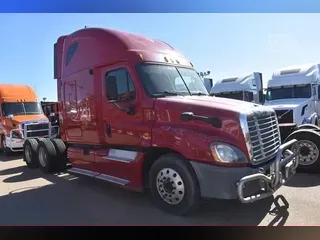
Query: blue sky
226	44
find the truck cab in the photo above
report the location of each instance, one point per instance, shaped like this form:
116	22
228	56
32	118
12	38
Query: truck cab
135	112
293	92
245	88
20	108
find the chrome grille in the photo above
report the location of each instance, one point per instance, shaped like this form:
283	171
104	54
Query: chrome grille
35	129
264	135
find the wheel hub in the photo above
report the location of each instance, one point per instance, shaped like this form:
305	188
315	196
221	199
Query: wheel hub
304	151
170	186
308	152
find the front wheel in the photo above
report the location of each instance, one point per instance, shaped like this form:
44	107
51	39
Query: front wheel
174	186
308	146
5	150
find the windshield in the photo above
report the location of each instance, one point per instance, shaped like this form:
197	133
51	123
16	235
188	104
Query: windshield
21	108
285	92
232	95
170	80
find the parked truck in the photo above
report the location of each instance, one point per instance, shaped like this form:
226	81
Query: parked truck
151	125
21	117
293	92
247	88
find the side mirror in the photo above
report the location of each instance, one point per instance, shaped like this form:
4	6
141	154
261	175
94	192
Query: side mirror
112	88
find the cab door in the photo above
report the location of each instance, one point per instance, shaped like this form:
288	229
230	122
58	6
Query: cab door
122	110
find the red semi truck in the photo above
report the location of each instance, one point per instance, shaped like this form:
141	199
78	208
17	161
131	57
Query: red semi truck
149	124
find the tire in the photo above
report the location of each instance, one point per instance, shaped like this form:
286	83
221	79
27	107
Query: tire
30	155
308	126
5	150
188	197
47	156
61	150
308	144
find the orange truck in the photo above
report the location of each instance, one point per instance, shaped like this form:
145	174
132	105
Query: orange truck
21	117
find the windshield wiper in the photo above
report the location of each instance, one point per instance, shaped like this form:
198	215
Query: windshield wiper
166	93
29	113
17	113
199	94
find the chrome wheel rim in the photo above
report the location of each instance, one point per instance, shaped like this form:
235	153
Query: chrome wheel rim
28	153
309	152
42	157
170	186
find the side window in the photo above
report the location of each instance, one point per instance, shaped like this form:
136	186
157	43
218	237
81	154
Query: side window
71	52
124	84
318	92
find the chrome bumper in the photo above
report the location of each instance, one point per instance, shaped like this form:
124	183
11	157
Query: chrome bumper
272	181
16	144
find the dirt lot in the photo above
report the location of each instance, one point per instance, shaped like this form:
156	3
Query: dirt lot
31	197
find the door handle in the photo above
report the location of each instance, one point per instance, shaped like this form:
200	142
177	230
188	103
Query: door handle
108	130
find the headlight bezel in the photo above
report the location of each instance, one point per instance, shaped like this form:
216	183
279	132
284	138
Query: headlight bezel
216	155
15	135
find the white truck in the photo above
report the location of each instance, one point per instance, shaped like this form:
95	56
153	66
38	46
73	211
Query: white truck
293	92
248	88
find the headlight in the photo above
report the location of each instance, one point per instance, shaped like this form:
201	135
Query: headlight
226	153
15	135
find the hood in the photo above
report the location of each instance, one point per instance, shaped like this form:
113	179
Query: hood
16	120
287	103
206	104
199	134
28	118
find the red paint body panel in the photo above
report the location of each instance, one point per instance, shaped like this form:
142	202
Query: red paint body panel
85	112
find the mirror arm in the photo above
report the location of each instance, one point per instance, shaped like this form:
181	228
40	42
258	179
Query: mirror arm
128	110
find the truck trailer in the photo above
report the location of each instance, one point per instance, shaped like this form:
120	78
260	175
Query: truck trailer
150	125
293	92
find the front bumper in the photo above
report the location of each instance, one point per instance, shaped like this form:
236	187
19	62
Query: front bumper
247	184
16	144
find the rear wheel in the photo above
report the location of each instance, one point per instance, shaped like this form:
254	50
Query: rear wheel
30	153
174	186
61	150
47	156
